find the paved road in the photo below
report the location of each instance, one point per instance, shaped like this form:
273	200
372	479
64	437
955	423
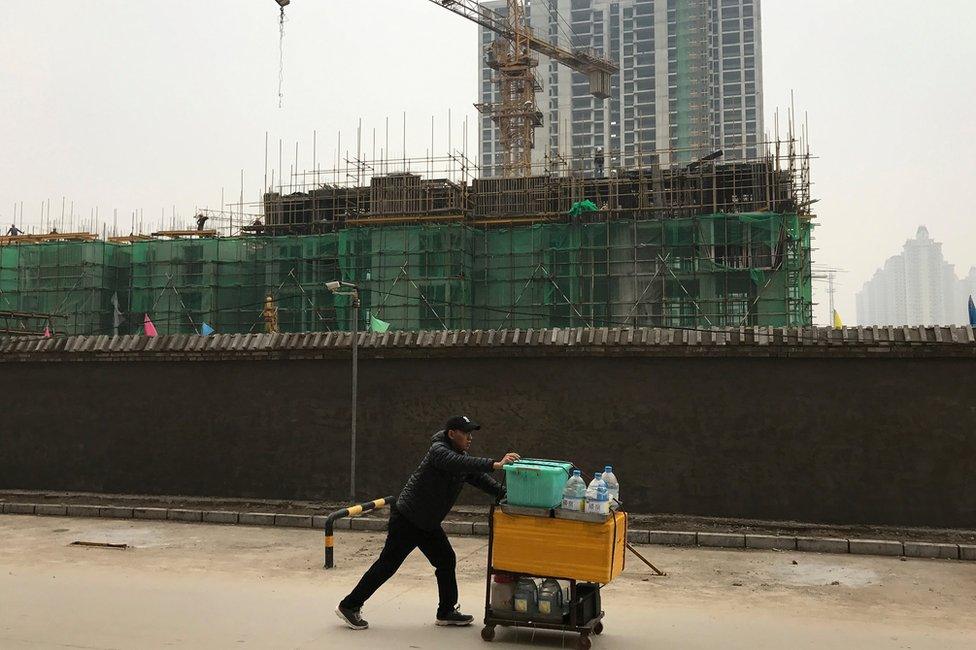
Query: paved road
197	586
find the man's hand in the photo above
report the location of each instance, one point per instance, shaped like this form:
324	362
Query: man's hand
507	459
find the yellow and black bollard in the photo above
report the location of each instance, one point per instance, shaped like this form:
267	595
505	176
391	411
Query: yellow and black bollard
351	511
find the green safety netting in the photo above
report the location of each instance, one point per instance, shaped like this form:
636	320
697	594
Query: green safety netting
74	280
224	282
710	270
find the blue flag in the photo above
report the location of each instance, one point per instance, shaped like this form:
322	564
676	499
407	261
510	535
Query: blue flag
206	330
972	312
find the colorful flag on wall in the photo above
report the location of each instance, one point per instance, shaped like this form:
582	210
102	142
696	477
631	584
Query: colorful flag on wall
206	330
377	325
837	321
148	327
47	328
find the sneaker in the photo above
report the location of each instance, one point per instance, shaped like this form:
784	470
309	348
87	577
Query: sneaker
351	618
455	618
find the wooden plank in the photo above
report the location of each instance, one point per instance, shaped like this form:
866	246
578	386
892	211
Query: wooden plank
69	236
175	234
128	239
414	218
19	239
515	221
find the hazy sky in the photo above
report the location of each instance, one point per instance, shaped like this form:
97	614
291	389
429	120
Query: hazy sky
150	104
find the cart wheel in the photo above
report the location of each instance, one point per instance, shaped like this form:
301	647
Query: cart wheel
584	642
488	632
598	628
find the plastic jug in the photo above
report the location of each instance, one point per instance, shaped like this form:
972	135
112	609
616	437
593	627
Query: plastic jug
503	592
551	599
613	486
597	497
574	494
526	599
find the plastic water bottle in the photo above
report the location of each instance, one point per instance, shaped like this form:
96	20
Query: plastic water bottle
551	599
597	497
613	487
574	494
526	598
591	489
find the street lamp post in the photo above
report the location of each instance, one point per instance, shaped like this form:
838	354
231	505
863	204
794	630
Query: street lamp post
340	288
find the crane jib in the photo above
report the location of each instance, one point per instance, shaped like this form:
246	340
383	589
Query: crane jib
517	115
578	60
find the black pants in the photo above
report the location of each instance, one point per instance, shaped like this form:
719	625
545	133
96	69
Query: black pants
402	538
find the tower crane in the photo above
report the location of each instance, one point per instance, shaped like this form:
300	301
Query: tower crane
511	57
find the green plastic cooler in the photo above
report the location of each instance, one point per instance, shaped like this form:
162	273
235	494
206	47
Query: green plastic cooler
535	483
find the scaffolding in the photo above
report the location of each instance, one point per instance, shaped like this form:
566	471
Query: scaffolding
224	283
432	246
418	276
714	270
777	182
717	270
77	283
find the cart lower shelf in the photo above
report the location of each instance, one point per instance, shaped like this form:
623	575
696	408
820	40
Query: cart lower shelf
593	626
580	607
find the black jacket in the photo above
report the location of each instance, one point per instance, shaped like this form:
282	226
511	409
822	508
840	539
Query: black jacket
432	489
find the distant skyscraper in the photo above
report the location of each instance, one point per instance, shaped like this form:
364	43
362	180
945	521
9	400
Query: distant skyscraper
915	287
967	288
690	80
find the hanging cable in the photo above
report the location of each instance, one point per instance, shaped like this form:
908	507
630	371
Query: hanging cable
281	50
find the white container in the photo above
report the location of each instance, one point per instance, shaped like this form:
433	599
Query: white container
613	486
597	496
574	495
503	593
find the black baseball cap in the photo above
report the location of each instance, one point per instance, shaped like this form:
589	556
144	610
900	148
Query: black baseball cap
461	423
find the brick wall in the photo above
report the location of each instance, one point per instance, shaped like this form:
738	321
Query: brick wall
846	439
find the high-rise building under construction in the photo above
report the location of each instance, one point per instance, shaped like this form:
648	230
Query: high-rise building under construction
690	83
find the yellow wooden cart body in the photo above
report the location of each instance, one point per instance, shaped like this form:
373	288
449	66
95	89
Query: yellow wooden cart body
562	548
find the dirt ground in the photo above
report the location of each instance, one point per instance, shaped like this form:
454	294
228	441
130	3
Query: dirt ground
478	513
210	586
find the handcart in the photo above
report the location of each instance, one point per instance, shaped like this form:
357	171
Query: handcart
587	551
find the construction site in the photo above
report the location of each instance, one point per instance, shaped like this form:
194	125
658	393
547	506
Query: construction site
708	244
207	406
678	237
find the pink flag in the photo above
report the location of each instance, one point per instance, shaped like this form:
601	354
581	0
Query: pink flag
149	327
47	332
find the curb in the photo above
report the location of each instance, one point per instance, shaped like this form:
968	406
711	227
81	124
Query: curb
889	548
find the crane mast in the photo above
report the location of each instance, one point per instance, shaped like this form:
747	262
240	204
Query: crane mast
511	57
515	113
